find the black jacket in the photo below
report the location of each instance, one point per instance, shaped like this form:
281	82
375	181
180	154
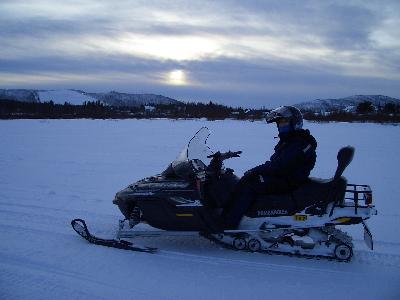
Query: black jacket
293	160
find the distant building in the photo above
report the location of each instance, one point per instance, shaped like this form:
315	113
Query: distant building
149	109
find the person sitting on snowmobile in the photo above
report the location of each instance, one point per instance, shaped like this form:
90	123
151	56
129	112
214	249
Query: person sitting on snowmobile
287	169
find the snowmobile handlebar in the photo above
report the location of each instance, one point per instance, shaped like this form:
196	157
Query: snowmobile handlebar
224	156
215	165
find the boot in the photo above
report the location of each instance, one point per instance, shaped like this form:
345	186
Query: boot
212	221
238	206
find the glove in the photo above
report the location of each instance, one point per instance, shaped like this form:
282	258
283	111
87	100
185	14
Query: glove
236	154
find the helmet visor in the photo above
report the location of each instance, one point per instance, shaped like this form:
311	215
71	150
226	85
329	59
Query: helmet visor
278	113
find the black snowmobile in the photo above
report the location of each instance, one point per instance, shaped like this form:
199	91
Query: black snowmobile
196	185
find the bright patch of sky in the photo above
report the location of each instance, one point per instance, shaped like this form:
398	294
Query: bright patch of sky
177	77
237	52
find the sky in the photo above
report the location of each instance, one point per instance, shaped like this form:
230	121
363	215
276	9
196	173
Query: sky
248	53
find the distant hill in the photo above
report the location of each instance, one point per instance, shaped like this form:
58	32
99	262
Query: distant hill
19	95
73	97
77	97
348	104
123	99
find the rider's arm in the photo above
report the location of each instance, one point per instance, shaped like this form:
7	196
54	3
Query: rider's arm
289	159
283	162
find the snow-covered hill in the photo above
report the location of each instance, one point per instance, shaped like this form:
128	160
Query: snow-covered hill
52	171
19	95
346	104
123	99
77	97
61	96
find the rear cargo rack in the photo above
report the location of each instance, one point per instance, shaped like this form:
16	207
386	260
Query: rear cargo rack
359	193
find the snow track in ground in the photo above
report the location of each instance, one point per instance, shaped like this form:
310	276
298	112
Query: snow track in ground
54	171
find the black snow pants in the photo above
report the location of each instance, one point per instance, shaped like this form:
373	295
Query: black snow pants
245	193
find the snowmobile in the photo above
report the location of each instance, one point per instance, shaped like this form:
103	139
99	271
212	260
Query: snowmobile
196	185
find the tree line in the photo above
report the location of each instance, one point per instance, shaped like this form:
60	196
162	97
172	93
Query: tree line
364	112
10	109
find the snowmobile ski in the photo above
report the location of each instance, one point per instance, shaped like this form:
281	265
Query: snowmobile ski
80	227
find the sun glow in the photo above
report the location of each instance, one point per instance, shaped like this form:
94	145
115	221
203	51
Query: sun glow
177	77
178	48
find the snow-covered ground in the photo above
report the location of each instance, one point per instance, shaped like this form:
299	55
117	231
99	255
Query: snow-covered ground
57	170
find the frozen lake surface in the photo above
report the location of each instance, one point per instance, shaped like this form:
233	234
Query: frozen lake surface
52	171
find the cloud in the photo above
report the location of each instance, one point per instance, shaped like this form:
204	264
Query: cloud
228	49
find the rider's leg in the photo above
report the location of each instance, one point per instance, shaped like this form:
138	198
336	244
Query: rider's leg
244	195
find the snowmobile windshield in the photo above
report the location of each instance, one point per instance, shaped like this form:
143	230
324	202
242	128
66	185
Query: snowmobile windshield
193	157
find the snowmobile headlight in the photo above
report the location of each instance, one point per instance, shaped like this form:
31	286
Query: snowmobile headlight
116	199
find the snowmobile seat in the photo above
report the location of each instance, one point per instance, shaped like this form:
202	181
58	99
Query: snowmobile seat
314	195
320	192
